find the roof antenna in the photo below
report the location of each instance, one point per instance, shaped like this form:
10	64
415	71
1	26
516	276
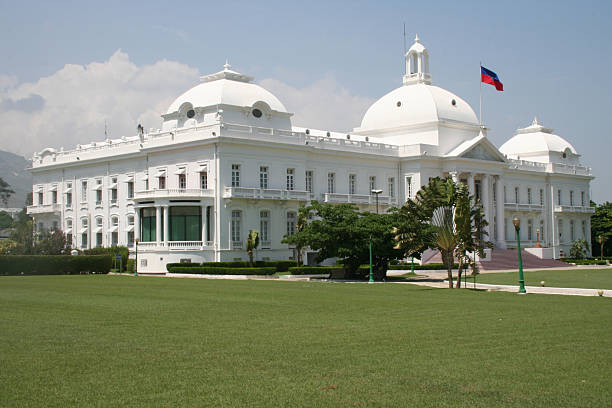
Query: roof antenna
404	38
105	130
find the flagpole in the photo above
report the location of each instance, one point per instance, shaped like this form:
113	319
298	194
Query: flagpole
480	113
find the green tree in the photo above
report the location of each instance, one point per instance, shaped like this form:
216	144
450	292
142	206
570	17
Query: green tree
601	225
252	244
298	240
23	234
344	232
52	243
5	191
579	249
6	221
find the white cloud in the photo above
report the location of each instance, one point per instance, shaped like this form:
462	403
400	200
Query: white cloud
324	104
70	106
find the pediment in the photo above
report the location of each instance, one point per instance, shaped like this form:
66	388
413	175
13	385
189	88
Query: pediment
482	152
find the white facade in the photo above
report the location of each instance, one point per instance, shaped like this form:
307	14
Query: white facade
227	160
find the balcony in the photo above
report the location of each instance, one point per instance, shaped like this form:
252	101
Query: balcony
174	193
580	209
174	246
44	209
358	199
520	207
265	193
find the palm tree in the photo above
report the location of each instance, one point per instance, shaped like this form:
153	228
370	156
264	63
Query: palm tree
445	238
252	244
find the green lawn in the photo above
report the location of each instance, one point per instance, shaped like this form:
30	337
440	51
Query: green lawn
586	278
111	341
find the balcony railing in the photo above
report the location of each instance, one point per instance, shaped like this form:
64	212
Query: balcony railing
265	193
43	209
358	199
174	192
184	244
575	209
524	207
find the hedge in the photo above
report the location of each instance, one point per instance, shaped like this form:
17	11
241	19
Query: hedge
112	251
584	261
54	264
280	266
313	270
426	267
210	270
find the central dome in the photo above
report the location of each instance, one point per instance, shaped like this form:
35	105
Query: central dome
417	104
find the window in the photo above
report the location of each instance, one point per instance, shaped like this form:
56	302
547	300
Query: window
84	191
68	200
529	230
69	239
185	223
505	195
99	222
147	224
40	198
560	224
235	175
84	240
494	192
263	176
113	195
541	197
372	183
130	220
582	198
290	179
130	238
84	223
235	227
529	195
352	183
204	180
571	197
115	221
584	229
409	187
541	230
309	181
54	197
391	183
162	183
572	232
182	181
99	195
559	197
130	189
146	182
331	182
516	195
291	222
98	239
68	223
264	227
114	238
54	225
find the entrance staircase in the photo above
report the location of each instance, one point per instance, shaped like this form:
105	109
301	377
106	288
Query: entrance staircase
508	259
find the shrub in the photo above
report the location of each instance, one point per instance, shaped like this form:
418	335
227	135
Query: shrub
129	268
113	250
212	270
54	264
579	249
280	266
426	267
584	261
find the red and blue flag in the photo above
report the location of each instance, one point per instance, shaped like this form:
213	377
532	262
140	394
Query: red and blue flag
489	77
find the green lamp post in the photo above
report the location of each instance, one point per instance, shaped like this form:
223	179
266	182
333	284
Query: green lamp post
136	257
517	226
376	193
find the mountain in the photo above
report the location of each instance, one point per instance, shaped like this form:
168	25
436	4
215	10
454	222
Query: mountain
13	171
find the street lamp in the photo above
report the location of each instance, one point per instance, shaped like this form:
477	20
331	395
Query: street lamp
376	193
136	257
517	226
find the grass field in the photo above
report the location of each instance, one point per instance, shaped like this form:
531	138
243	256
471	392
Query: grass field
586	278
121	341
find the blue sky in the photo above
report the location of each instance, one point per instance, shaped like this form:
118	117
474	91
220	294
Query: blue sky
553	58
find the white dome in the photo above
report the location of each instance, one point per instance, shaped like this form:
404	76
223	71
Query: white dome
414	104
226	87
536	139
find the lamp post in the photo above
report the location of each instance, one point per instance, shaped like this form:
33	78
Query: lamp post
136	257
538	241
517	226
376	193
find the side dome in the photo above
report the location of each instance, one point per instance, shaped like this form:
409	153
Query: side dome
416	104
226	87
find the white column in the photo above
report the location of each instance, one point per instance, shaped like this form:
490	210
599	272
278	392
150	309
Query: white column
166	236
486	203
501	225
137	224
455	176
470	183
158	224
203	226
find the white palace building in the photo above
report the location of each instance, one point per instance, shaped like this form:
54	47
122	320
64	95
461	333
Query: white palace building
228	159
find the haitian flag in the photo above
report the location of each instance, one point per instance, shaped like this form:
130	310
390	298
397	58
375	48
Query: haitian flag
489	77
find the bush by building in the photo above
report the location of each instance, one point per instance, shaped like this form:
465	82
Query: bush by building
218	270
54	264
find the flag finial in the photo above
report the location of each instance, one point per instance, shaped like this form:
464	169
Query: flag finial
535	121
227	65
416	38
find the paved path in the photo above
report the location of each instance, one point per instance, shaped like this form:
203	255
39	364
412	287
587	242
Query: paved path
530	289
